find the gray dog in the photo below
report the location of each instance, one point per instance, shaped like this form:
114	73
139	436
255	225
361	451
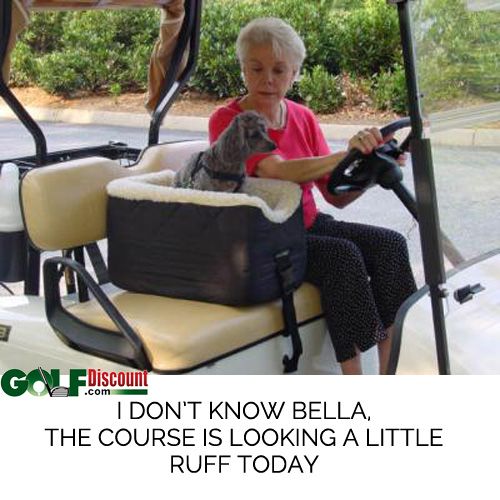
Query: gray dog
222	166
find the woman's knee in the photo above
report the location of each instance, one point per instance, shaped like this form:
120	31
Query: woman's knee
350	255
345	264
331	253
336	250
394	242
399	239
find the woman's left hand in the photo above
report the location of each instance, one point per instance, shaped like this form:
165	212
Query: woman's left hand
370	139
367	140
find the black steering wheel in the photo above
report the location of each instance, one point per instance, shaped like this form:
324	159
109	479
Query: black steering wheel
358	171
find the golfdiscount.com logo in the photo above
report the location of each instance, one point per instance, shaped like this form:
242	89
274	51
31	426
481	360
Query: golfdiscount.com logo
87	382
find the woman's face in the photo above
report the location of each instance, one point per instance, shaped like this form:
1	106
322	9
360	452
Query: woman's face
267	77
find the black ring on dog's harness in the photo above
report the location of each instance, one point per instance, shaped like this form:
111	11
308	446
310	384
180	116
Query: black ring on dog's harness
220	176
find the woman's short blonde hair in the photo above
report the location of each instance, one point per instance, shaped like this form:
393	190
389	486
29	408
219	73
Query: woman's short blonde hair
284	40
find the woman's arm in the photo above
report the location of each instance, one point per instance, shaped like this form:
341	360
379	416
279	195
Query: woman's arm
299	170
306	170
338	200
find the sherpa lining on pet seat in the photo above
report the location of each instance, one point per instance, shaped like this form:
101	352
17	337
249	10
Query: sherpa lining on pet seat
204	245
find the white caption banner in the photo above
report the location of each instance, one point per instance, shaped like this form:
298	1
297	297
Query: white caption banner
251	437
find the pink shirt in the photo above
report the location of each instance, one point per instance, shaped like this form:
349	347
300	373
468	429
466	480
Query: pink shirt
300	138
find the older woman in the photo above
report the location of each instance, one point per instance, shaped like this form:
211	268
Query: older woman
363	272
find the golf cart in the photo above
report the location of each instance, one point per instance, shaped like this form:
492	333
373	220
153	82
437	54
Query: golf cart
64	201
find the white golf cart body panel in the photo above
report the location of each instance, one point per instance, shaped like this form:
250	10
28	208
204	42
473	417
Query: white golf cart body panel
473	327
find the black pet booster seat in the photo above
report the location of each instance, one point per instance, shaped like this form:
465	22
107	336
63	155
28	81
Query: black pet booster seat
236	249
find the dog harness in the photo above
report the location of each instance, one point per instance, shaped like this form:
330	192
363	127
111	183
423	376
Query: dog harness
220	176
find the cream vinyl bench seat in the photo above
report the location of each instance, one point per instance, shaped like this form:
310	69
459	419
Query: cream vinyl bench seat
64	207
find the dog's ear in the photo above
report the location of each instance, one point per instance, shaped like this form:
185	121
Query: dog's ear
232	142
241	127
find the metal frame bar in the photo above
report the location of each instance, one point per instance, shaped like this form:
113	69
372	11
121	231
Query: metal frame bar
113	151
173	84
8	96
425	190
124	347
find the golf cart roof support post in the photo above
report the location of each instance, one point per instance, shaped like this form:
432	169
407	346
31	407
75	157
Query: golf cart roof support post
425	191
173	83
6	93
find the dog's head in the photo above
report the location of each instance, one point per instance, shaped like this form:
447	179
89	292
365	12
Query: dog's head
245	136
252	130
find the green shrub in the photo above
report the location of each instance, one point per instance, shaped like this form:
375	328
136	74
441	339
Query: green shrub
23	66
117	45
218	71
43	36
459	54
61	73
360	40
389	90
321	91
347	4
314	21
367	39
45	31
115	89
87	50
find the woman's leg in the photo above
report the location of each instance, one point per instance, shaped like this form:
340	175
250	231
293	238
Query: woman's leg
336	266
384	351
352	366
385	255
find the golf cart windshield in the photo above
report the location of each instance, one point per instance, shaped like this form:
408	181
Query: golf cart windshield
458	58
451	52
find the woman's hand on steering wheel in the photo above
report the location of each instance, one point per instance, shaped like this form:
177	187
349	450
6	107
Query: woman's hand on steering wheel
373	157
369	139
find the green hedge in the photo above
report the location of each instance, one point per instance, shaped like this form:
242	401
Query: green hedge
109	50
89	50
367	39
358	41
459	54
389	90
218	71
321	91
